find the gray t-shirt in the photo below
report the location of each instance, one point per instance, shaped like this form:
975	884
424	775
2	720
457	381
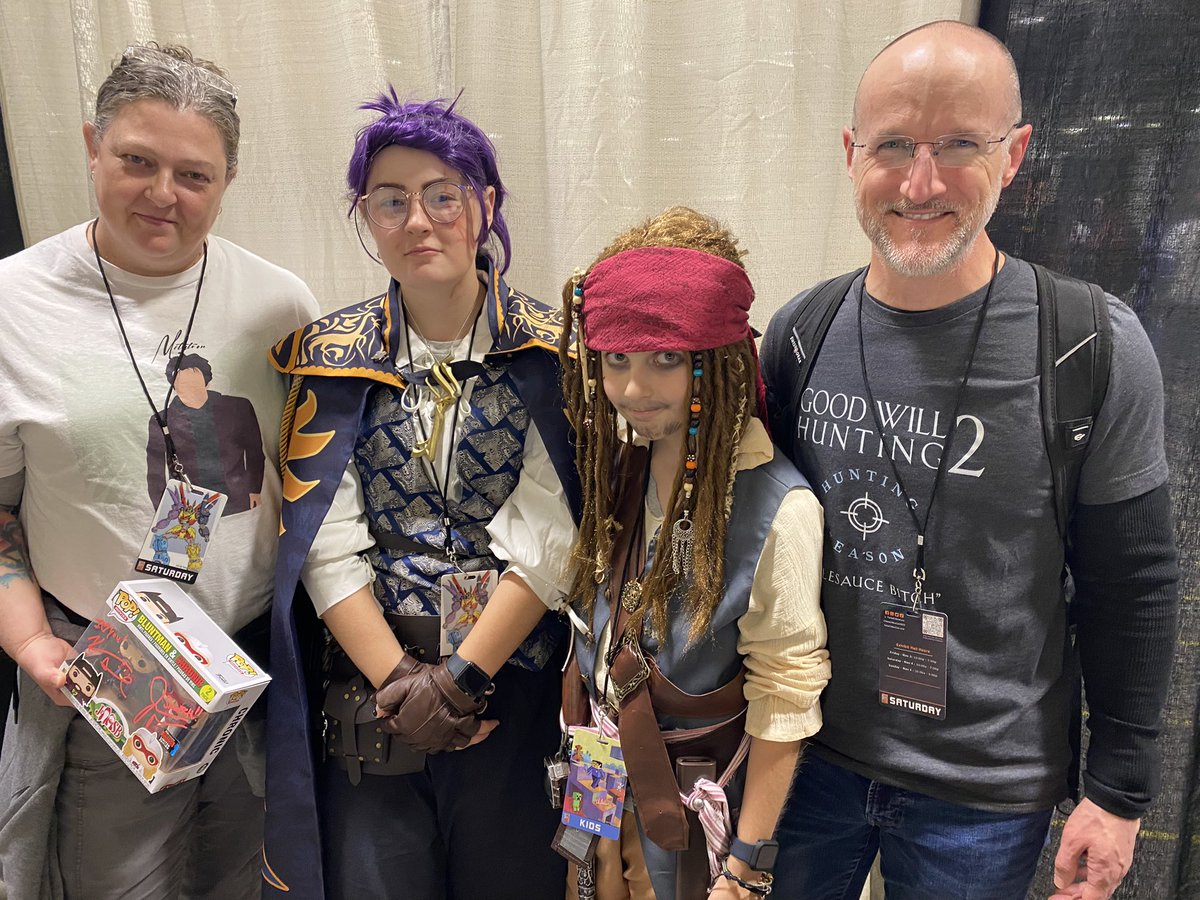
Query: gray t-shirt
993	556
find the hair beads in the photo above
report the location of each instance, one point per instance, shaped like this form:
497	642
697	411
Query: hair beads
681	531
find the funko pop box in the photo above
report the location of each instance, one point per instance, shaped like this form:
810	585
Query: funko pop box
160	682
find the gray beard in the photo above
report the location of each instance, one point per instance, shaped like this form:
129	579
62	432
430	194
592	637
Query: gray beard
922	260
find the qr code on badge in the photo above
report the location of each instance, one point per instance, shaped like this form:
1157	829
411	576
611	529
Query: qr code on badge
933	626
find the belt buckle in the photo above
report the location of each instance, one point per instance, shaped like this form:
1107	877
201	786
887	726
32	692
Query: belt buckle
622	690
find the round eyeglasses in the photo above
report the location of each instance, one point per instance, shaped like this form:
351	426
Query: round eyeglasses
388	206
893	151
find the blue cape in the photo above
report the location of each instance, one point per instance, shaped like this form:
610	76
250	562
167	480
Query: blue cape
334	362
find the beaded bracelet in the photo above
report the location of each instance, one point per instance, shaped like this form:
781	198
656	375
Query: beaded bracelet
762	889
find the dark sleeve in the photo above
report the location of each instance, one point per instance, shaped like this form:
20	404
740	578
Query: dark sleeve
1123	561
250	441
537	377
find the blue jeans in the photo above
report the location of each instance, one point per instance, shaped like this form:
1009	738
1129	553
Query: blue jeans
835	821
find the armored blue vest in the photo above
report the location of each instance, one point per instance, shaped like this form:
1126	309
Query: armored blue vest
402	499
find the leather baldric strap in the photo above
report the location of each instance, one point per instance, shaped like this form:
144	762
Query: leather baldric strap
651	776
727	700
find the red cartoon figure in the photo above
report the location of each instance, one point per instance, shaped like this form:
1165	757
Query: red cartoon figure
144	747
194	647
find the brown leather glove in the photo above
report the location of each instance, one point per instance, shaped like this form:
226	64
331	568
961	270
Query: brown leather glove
421	704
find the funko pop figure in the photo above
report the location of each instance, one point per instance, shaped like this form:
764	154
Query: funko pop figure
136	657
159	607
83	679
145	747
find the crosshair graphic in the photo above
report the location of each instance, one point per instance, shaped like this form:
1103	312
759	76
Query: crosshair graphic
865	516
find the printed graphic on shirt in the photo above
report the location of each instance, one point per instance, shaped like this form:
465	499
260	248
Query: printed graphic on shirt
870	530
216	435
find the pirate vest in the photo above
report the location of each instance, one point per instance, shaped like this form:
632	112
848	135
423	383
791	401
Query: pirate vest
711	660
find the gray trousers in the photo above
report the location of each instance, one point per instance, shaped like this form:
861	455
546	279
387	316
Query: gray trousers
75	823
199	839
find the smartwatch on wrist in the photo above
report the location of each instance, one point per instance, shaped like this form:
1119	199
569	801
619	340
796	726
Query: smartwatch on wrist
759	856
469	678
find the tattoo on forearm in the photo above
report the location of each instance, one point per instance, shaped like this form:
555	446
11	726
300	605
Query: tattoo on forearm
14	561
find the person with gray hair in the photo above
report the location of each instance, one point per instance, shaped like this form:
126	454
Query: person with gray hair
148	290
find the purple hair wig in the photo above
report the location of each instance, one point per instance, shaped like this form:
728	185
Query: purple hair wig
454	139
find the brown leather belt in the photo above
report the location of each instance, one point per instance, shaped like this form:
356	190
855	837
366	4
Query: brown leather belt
650	775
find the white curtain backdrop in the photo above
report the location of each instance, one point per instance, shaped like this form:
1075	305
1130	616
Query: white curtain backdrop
603	112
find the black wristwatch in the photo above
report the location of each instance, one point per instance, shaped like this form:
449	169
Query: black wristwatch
759	856
469	678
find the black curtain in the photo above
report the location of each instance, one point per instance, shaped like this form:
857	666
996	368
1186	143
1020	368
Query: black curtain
1110	192
10	227
10	242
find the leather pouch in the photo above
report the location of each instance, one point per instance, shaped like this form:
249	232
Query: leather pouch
354	738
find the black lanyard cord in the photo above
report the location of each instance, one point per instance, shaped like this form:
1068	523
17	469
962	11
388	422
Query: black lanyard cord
160	418
922	526
442	486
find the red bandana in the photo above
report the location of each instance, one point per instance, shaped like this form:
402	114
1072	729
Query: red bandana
665	298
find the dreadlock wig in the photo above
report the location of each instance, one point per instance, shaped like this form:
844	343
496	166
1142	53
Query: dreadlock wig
677	277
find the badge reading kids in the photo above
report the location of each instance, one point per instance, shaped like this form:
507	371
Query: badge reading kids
595	794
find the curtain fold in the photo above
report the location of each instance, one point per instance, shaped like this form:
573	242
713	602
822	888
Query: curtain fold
603	113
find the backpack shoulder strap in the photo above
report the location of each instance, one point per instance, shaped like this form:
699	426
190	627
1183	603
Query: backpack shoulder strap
804	332
1074	354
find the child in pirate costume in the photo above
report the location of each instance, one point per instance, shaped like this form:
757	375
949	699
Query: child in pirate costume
696	571
426	453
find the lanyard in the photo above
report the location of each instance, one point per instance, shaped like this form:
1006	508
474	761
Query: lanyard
922	526
442	486
161	418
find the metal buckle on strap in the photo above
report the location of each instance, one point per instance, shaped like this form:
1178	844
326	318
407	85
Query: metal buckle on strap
622	690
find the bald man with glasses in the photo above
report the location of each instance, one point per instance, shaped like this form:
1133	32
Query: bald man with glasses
956	647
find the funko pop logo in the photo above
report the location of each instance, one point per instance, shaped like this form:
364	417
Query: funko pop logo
110	719
124	607
240	663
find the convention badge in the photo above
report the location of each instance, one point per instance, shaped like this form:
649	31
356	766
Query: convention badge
577	846
555	781
184	525
912	660
463	597
595	793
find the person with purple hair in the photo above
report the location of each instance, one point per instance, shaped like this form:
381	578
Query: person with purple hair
430	507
